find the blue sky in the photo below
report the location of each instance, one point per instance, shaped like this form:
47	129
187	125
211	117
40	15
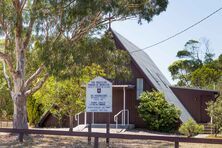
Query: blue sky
179	15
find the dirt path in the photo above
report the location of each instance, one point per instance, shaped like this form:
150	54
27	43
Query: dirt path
38	141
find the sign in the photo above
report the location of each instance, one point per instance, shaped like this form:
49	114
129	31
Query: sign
99	95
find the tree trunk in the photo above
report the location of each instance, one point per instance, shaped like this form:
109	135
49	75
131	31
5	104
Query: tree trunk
20	112
18	97
70	123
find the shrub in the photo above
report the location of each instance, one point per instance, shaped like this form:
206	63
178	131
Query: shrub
34	110
157	113
191	128
214	110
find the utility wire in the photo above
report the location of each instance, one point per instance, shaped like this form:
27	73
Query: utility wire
160	42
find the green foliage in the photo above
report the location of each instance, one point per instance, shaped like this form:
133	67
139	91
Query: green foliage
66	59
35	111
196	66
6	104
180	70
66	97
205	76
214	110
191	128
157	113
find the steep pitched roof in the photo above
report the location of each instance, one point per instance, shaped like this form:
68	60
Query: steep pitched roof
152	72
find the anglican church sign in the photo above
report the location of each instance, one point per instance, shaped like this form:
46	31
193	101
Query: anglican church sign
99	95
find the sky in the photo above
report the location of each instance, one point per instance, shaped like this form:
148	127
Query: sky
179	15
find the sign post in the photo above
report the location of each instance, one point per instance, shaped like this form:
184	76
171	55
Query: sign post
99	99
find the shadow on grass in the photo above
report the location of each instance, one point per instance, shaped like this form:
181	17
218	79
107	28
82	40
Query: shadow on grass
141	143
77	142
43	141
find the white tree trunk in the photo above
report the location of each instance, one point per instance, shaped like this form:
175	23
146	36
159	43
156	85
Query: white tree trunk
19	97
19	88
20	112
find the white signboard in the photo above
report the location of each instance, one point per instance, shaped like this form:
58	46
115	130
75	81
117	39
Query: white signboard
99	95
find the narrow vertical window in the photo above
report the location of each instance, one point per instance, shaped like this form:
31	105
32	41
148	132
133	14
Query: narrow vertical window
139	87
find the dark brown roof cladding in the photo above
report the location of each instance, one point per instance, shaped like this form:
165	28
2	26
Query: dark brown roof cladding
196	89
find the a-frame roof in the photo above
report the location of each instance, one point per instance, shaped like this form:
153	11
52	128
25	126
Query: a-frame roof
153	73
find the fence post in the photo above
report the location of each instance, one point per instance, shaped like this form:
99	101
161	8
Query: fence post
108	131
21	134
176	144
96	142
89	132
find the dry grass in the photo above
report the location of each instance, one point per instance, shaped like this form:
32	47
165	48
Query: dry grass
219	136
79	142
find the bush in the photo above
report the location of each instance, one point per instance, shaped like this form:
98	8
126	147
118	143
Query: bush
191	128
34	110
214	110
6	104
157	113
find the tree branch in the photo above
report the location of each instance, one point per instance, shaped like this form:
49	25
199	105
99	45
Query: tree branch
31	23
18	22
8	61
29	32
7	77
38	85
33	76
23	4
83	29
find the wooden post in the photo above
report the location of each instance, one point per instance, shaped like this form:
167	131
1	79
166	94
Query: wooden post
89	131
96	142
21	137
176	144
108	131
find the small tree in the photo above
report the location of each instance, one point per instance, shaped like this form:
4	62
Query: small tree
157	113
70	99
67	97
191	128
214	110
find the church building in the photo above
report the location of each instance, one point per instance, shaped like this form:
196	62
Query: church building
145	77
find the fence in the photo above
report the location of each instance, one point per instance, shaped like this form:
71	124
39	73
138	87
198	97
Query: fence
5	124
175	139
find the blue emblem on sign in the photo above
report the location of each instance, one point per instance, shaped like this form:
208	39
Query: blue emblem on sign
98	90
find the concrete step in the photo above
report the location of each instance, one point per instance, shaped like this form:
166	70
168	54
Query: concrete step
120	126
208	128
80	127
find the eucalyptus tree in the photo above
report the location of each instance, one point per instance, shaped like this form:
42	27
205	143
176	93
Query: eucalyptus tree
23	21
196	65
